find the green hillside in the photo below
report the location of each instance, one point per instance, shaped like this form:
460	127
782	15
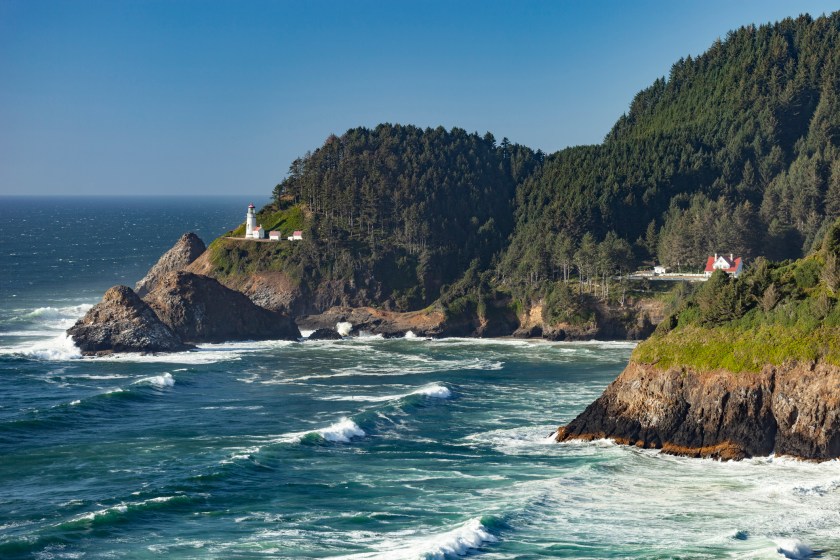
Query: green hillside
775	313
735	151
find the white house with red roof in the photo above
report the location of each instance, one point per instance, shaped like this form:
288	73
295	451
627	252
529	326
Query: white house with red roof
274	235
731	266
296	236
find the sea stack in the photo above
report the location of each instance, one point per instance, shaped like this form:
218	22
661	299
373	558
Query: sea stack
188	248
200	309
122	322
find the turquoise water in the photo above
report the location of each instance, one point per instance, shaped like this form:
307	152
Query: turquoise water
362	448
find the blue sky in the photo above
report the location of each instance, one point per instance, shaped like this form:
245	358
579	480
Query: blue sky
218	97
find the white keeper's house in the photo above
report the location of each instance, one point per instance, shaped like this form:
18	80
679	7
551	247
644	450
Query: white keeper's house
731	266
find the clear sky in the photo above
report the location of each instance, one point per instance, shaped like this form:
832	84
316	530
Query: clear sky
218	97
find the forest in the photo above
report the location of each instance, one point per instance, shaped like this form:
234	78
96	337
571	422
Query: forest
736	150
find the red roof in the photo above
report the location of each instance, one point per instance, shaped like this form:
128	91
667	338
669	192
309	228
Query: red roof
273	233
250	206
298	233
257	228
733	264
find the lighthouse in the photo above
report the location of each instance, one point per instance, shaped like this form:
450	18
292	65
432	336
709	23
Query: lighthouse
250	221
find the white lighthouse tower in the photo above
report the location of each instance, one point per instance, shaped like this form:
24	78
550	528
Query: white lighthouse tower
250	221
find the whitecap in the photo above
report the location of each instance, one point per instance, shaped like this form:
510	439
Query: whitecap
793	548
58	348
457	542
433	390
341	431
343	328
163	380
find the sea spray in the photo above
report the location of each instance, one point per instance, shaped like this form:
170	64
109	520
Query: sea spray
343	328
470	536
341	432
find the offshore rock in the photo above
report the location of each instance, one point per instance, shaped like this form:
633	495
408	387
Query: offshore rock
788	410
188	248
122	322
325	334
199	309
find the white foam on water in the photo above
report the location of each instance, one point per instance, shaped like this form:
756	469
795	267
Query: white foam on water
306	334
163	380
342	431
407	545
58	348
793	548
74	312
471	535
433	390
410	335
422	366
120	508
516	441
343	328
204	354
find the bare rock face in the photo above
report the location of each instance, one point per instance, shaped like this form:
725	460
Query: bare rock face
377	321
188	248
122	322
789	410
199	309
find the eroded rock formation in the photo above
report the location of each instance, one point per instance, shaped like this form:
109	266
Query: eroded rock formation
199	309
122	322
188	248
788	410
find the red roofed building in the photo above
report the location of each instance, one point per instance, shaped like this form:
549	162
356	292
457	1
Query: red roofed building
296	236
732	266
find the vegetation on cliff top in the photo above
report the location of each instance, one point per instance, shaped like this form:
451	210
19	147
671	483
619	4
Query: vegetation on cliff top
776	312
736	150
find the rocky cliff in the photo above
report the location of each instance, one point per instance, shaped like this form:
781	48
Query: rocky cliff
200	309
792	409
188	248
122	322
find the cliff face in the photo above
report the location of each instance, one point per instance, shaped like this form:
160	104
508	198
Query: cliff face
200	309
122	322
188	248
788	410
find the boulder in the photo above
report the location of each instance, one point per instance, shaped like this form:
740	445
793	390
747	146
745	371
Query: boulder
200	309
188	248
325	334
122	322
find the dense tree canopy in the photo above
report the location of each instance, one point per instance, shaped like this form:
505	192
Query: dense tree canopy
735	151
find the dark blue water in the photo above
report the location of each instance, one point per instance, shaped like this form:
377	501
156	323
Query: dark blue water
363	448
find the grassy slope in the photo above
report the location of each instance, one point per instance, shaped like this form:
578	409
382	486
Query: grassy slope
798	321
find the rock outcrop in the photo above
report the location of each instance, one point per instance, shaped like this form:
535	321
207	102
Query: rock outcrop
325	334
122	322
199	309
789	410
377	321
188	248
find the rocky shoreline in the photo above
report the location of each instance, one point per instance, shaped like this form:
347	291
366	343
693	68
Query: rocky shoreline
178	310
791	410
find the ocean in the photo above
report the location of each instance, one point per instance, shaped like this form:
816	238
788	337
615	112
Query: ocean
360	448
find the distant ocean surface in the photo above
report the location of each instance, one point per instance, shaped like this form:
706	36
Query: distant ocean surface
363	448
